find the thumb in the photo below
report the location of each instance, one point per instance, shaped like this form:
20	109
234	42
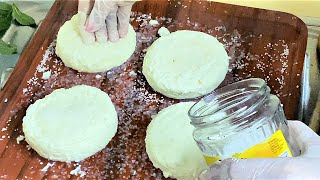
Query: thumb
307	140
86	37
271	168
84	7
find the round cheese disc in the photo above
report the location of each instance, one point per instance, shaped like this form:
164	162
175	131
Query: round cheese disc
70	124
185	64
92	58
170	145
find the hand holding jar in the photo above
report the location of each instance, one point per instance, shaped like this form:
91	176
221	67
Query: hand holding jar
305	166
243	134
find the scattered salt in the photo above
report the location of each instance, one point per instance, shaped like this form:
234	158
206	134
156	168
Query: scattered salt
132	73
24	90
49	52
4	129
285	50
44	169
6	100
20	138
98	76
78	171
219	28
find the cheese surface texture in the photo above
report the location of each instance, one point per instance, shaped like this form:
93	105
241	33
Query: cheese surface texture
185	64
92	58
170	145
70	124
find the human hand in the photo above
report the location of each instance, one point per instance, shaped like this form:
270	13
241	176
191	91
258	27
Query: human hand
108	20
305	166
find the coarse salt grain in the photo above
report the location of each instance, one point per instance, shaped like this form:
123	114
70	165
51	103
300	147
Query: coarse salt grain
46	75
20	138
24	90
163	31
78	171
132	73
44	169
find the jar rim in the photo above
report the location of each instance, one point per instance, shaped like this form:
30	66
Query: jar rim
193	113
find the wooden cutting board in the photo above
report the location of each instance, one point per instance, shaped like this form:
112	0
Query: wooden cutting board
260	43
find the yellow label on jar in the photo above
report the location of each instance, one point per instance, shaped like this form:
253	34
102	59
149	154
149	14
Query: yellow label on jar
275	146
211	160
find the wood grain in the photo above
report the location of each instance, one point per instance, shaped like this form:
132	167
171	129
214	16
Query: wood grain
246	33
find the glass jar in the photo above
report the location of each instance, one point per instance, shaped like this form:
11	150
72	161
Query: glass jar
238	117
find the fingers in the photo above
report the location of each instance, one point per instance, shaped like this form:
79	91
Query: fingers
84	7
86	37
97	17
102	35
219	170
107	18
95	21
112	27
271	168
302	167
307	139
123	13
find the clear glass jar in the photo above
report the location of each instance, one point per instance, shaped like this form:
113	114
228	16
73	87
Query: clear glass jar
237	117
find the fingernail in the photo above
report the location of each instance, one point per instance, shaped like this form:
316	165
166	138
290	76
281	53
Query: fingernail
101	37
114	37
91	25
123	34
90	28
88	39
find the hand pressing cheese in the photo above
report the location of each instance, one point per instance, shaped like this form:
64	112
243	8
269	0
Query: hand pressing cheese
92	58
107	20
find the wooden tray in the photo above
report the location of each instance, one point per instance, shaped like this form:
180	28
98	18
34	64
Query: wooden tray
261	43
